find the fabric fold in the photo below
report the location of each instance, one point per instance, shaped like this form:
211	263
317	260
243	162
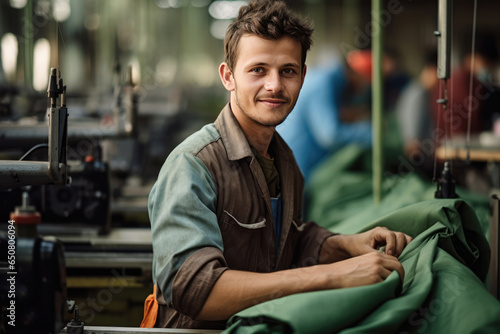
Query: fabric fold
443	290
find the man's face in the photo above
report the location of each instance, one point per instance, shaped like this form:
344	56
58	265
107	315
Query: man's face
266	80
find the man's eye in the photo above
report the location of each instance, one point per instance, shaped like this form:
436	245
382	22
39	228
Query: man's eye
258	70
288	71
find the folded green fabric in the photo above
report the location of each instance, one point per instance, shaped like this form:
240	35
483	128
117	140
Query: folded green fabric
442	291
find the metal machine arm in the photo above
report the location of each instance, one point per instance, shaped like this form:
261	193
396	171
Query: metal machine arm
15	174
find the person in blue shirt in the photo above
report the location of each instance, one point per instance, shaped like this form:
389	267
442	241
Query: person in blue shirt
332	110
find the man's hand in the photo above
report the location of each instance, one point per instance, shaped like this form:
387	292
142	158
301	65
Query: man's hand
372	240
344	246
370	268
355	258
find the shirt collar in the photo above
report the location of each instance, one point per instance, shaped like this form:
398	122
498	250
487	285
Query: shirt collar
236	143
237	146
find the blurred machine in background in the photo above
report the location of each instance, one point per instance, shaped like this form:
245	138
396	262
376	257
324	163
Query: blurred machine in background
65	193
86	201
32	268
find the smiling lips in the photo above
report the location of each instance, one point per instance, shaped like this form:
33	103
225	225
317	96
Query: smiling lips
273	102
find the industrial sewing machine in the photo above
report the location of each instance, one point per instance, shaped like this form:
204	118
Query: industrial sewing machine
34	300
66	197
77	151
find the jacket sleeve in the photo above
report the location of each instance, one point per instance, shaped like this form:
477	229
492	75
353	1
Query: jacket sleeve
187	244
310	243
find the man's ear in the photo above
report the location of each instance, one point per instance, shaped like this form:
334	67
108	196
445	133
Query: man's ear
226	77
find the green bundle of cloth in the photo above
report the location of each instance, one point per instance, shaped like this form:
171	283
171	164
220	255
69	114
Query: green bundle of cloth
445	265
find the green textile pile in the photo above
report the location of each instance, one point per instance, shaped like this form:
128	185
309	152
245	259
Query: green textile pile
341	198
445	265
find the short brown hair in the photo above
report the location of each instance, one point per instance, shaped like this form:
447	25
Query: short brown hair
270	20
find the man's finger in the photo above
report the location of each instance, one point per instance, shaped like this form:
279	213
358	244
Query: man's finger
394	264
390	241
400	243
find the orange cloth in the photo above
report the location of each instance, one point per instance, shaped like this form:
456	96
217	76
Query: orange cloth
150	310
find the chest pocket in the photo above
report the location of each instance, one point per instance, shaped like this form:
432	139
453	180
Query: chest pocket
254	226
247	245
300	227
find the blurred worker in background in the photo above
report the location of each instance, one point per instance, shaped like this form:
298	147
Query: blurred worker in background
333	110
484	99
478	106
334	107
226	210
413	109
395	79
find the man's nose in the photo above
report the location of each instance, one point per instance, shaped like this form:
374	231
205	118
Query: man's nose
273	82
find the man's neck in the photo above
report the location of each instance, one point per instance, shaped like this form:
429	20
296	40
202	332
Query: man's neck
258	136
260	140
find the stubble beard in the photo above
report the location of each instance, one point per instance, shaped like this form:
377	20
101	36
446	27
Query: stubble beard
269	124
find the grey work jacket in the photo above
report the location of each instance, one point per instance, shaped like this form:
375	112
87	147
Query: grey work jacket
210	211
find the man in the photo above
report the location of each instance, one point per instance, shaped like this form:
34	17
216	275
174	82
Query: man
413	110
226	209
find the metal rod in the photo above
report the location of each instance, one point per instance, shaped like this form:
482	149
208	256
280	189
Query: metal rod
377	106
28	44
15	174
471	78
14	135
444	39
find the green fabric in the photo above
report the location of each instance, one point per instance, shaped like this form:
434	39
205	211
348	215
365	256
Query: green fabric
340	192
440	294
445	265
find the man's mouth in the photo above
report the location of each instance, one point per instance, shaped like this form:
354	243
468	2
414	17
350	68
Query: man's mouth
273	102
